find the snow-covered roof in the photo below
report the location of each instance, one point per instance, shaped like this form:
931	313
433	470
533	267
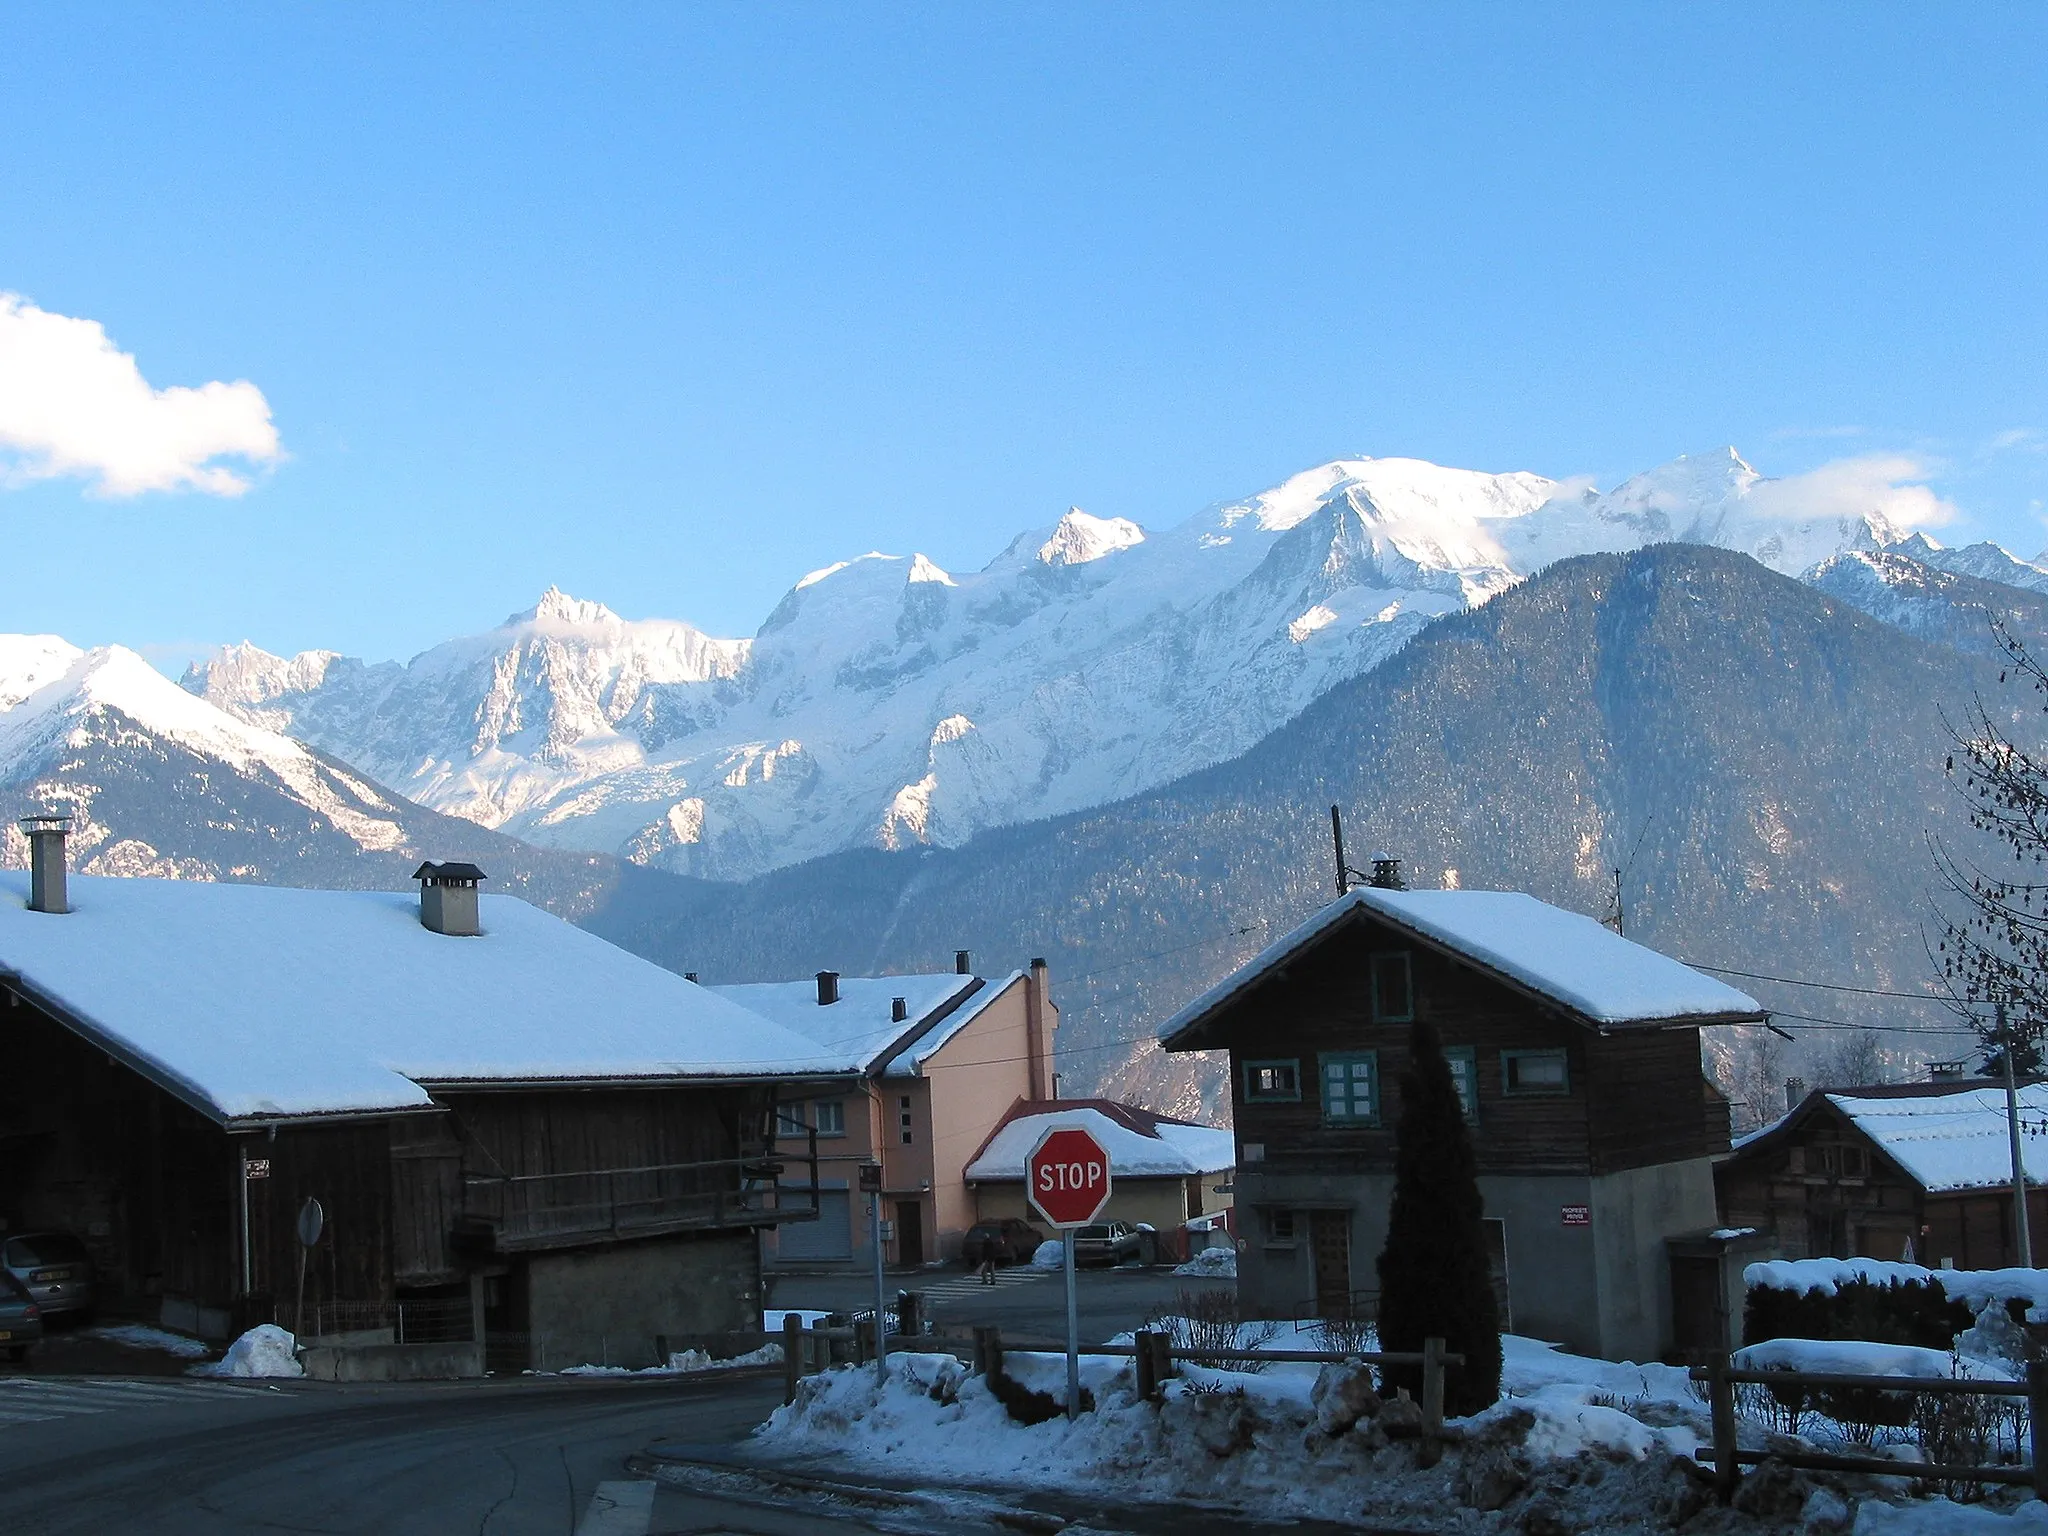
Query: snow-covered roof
256	1002
858	1031
1140	1144
1951	1141
1563	956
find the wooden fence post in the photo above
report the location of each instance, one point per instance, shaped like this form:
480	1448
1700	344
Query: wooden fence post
1432	1387
1147	1365
792	1354
1721	1402
2037	1422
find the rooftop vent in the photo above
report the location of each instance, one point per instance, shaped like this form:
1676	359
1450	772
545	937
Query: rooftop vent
1386	873
1795	1093
689	975
828	988
448	898
46	890
1938	1071
963	963
899	1009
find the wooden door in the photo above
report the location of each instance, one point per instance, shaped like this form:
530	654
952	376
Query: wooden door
909	1232
1330	1247
1699	1313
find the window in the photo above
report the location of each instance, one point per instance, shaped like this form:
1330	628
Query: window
903	1119
1351	1087
1272	1082
1393	990
1529	1073
789	1120
1279	1226
831	1117
1465	1077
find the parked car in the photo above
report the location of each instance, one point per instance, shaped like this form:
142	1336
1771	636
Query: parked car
1107	1242
21	1320
56	1270
1015	1241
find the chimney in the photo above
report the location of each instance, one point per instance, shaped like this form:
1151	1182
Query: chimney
448	898
689	975
1037	995
1795	1093
899	1009
828	988
46	889
963	963
1386	873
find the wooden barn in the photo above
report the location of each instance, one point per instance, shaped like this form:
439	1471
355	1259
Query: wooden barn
1577	1055
517	1131
1919	1171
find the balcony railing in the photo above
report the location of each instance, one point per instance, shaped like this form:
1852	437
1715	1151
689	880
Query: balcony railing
559	1209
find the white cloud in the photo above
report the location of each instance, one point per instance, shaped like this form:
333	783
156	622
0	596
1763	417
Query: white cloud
73	405
1885	483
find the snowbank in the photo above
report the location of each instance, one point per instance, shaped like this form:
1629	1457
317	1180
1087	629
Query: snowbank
264	1351
1854	1357
1213	1263
687	1362
1050	1255
1973	1287
142	1336
1938	1517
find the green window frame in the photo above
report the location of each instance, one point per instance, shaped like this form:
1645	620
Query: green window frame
1535	1074
1275	1081
1464	1062
1393	988
1350	1085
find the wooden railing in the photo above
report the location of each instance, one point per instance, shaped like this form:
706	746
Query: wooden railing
1729	1458
547	1209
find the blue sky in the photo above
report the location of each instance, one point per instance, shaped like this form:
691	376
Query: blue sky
670	304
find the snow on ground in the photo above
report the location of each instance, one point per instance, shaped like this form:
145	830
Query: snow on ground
686	1362
1593	1446
142	1336
264	1351
1215	1263
1855	1357
1938	1517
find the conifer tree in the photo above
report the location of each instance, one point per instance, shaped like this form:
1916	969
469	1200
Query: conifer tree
1433	1271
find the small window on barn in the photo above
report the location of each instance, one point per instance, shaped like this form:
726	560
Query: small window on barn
1530	1073
1855	1162
1279	1226
831	1116
1272	1082
1351	1087
1465	1077
789	1120
1393	990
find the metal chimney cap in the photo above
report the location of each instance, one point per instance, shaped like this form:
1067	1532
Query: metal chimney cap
52	821
449	873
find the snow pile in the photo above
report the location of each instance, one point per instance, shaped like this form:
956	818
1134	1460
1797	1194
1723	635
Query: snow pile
1051	1254
1211	1263
688	1362
1976	1288
1854	1357
264	1351
142	1336
1939	1517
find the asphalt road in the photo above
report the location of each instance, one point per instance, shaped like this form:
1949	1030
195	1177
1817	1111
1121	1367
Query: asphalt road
497	1458
1026	1303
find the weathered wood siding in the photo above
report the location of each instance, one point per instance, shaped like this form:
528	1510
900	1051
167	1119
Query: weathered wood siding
347	1169
1633	1100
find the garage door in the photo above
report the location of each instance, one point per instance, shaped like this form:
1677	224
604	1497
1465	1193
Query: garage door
829	1237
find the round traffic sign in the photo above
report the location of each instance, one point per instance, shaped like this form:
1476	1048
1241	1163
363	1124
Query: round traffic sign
1067	1177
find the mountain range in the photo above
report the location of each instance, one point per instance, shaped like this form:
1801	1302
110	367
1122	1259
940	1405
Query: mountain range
888	703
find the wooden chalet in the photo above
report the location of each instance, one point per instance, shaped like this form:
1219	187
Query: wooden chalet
1919	1171
519	1133
1577	1055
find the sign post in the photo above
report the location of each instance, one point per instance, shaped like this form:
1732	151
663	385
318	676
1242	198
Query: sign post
312	1222
1067	1182
871	1186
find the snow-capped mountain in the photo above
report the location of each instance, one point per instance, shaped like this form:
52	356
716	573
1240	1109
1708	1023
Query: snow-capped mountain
887	702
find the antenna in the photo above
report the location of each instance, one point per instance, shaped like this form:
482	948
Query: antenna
1618	918
1345	873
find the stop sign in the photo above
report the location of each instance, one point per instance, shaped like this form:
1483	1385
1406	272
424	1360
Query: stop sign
1067	1177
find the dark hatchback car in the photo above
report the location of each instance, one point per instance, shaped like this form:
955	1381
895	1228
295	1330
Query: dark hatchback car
21	1320
1015	1241
56	1270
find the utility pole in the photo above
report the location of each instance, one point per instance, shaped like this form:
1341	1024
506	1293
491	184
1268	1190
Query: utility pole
2012	1130
1337	836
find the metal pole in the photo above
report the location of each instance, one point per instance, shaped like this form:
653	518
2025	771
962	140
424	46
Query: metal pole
248	1276
2012	1130
1337	836
1073	1326
881	1323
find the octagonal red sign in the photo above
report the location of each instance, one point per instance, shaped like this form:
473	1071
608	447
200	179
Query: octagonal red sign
1067	1177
